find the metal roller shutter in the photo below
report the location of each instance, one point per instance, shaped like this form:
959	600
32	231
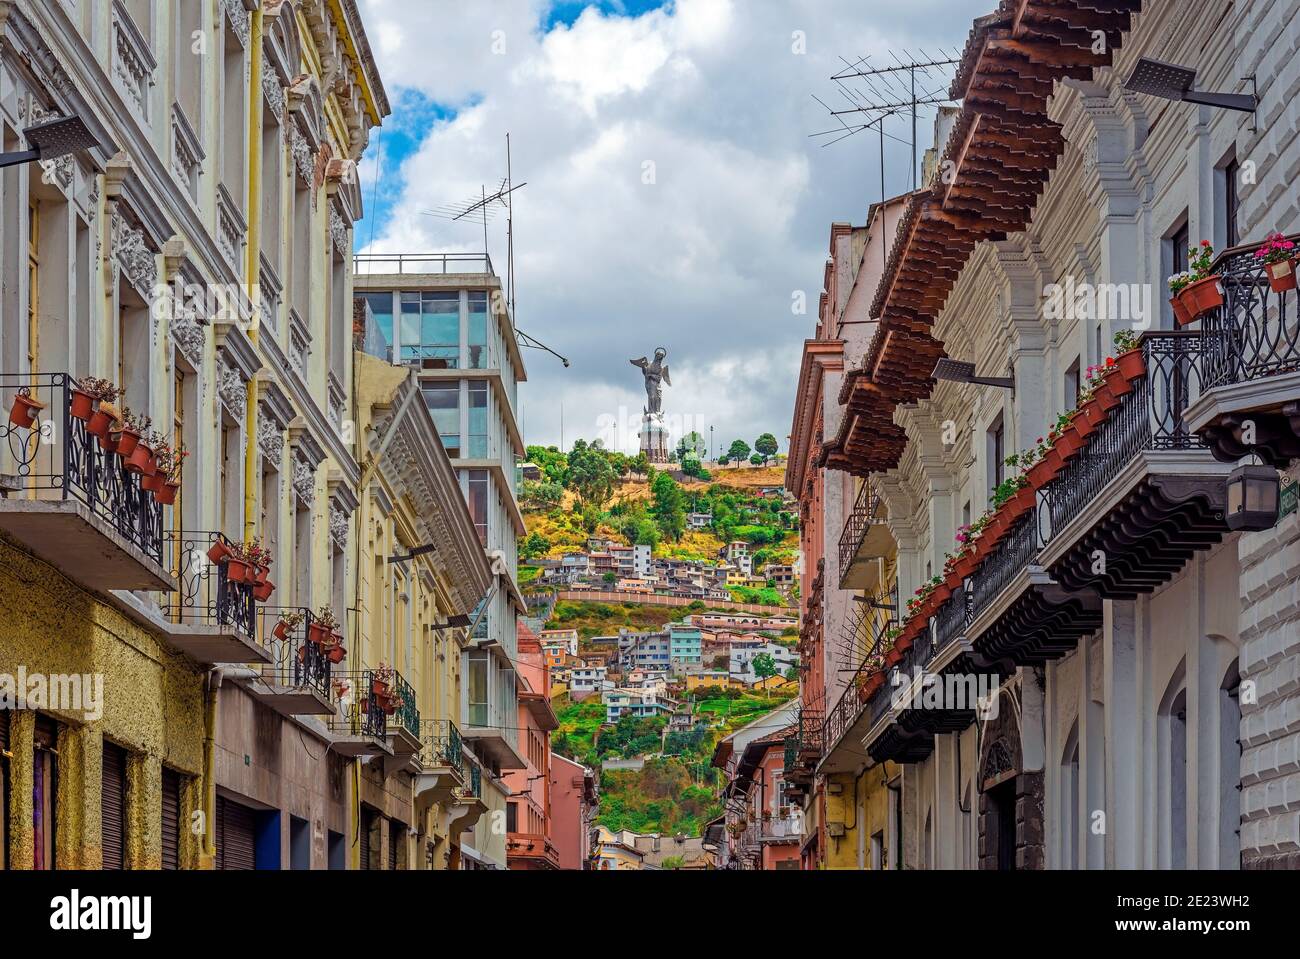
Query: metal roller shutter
367	820
234	835
113	806
171	819
395	830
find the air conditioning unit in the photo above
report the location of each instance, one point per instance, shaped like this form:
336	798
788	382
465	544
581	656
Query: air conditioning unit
835	830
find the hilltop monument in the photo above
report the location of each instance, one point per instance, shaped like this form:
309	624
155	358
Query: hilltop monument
654	432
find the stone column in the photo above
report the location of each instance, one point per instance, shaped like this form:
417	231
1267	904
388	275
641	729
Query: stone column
1123	735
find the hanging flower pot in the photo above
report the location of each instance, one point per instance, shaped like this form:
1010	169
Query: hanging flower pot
166	496
966	564
1201	297
1068	443
262	591
127	441
894	656
1117	383
337	654
108	442
953	581
25	410
1082	425
1094	412
261	573
319	633
1025	500
141	460
1105	398
238	571
1281	275
1040	474
82	405
103	417
870	686
1181	316
281	630
1054	460
379	687
1132	364
153	482
218	551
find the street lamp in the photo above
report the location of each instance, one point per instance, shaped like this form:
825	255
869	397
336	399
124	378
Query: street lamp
957	371
1170	81
52	139
1254	493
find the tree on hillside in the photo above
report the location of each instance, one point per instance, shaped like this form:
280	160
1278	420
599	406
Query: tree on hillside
545	495
692	442
591	476
669	509
758	460
640	464
724	459
764	667
766	446
551	461
739	452
535	545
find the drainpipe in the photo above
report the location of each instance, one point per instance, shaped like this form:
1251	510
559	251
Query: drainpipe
252	268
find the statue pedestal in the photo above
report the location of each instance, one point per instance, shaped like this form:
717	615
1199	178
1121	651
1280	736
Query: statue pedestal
654	438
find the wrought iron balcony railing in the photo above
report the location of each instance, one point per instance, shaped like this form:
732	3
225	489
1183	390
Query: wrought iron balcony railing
1150	418
1017	551
407	715
850	705
59	458
866	511
1257	332
358	711
207	596
442	745
473	787
297	661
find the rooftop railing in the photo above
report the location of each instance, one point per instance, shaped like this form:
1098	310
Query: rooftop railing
421	264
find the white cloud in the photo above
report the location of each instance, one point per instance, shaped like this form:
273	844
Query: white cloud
705	259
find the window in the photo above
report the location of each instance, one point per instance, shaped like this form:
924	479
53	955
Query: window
113	807
300	249
1072	384
232	133
479	354
443	400
272	177
1231	173
997	455
171	818
381	307
478	420
431	330
477	689
478	502
188	72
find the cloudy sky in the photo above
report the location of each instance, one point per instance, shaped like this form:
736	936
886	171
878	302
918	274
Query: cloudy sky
674	194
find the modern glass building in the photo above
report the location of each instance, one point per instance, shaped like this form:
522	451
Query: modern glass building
446	317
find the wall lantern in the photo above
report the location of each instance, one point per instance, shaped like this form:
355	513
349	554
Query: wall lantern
1172	81
1254	493
958	371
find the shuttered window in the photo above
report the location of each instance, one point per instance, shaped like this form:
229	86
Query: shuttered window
113	806
395	832
234	835
171	819
368	819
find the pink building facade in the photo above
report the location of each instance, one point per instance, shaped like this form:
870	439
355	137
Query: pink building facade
529	844
573	809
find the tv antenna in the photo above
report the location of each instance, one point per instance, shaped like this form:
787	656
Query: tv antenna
877	92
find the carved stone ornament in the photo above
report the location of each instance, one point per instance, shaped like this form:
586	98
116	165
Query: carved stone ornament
238	19
271	87
270	438
187	333
233	392
133	255
338	527
304	482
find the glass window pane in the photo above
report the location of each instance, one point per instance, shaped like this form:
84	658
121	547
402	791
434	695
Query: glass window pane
478	331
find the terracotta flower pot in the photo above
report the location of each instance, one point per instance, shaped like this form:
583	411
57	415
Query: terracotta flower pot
1181	316
262	573
219	551
1094	413
967	564
953	581
82	405
1281	275
262	591
108	442
1105	398
337	654
1040	474
870	687
167	495
1025	500
237	571
1068	443
1118	384
1054	460
1201	297
893	657
379	687
100	420
127	441
1132	365
281	630
1082	425
153	483
316	633
141	460
25	410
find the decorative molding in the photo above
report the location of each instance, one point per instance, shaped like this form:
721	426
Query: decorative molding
233	391
303	162
133	255
339	525
232	229
187	152
189	335
339	233
304	482
299	344
270	437
239	21
271	86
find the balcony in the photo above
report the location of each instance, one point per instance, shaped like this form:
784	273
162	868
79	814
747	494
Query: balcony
299	680
442	761
67	497
1251	362
403	730
529	851
1143	495
866	538
468	799
803	750
210	618
358	724
784	828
